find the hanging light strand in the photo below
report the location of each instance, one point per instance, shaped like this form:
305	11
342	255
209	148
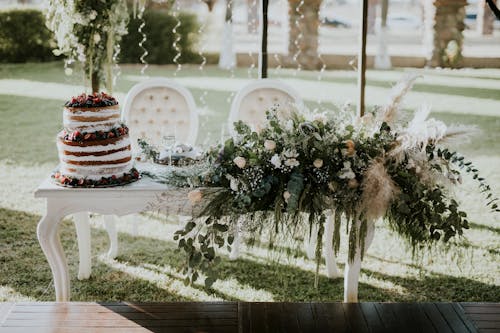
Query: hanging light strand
276	56
231	69
177	37
300	36
322	62
201	53
117	71
253	23
145	53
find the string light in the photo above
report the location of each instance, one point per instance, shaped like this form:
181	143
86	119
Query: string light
252	66
144	38
300	36
177	37
117	71
322	62
231	69
201	53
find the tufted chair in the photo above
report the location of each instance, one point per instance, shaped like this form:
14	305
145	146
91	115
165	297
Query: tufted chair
160	107
251	103
153	109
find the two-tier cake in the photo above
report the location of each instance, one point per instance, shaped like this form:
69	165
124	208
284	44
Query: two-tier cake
94	147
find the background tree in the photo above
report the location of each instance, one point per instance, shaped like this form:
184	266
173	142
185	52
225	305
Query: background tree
303	36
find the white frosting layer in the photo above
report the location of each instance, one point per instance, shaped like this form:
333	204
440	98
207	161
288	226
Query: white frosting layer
101	125
110	157
95	172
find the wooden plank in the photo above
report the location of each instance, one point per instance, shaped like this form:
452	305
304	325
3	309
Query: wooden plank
355	317
466	319
484	316
423	321
406	320
435	317
488	324
126	315
454	320
289	320
74	330
273	315
257	317
305	317
122	308
5	309
372	317
480	309
334	314
244	318
390	322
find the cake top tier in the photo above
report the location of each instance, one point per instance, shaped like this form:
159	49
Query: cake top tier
91	101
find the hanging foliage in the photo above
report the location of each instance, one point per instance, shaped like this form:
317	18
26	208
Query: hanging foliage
89	31
303	164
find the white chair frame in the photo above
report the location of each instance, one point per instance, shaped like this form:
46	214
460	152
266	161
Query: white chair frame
264	84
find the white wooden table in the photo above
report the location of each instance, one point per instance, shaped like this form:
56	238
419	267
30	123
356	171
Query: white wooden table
122	200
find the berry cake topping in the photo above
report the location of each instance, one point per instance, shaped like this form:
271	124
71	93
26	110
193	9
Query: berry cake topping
91	101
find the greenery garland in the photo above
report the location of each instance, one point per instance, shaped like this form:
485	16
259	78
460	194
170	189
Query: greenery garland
302	166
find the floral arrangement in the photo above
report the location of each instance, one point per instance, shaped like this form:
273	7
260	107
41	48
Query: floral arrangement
89	31
301	166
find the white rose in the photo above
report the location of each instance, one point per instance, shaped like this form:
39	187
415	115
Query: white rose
240	162
195	196
68	71
269	145
97	38
292	162
276	161
286	196
233	184
318	163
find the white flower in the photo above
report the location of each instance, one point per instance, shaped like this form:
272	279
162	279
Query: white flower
240	162
292	162
68	71
92	15
269	145
320	117
318	163
289	125
346	172
97	38
290	153
286	196
233	184
276	161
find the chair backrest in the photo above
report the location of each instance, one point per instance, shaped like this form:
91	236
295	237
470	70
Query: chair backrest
251	103
159	107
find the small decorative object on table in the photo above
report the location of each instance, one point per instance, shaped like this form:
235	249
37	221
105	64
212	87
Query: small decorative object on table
175	155
94	147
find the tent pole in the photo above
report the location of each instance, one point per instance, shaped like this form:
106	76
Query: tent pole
264	4
362	58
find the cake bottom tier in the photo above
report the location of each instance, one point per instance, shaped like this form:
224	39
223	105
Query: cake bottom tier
118	179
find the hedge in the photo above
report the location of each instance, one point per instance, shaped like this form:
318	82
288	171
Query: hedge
24	37
160	39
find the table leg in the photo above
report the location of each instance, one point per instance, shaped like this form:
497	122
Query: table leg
48	237
352	269
332	271
82	226
110	225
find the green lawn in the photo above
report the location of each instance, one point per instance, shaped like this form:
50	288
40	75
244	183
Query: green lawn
31	97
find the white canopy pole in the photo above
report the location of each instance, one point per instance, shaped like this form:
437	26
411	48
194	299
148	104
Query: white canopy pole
362	58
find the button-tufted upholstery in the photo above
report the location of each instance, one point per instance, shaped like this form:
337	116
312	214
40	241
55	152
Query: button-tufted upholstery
157	108
251	103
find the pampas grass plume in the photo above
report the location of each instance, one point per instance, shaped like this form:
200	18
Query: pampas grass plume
379	191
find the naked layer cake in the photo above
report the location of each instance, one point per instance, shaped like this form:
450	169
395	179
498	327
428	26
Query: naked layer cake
94	147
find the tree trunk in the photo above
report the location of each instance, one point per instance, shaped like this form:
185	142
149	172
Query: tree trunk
485	18
304	34
443	27
95	82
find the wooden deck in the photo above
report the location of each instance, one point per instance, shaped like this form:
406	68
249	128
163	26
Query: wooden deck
248	317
